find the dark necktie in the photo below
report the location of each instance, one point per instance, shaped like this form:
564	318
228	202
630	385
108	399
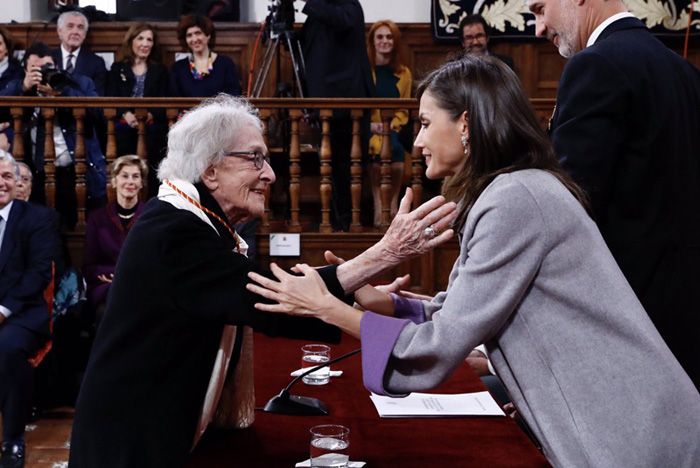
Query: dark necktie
69	64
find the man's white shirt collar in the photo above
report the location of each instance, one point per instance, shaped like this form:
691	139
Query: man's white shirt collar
65	53
601	27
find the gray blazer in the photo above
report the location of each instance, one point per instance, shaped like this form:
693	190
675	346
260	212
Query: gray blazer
578	354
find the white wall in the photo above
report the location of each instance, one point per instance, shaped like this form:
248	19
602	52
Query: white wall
401	11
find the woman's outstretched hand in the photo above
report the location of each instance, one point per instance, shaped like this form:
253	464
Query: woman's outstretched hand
413	233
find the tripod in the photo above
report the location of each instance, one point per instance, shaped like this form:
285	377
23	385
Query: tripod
292	44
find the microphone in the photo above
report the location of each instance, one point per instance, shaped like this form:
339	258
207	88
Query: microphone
284	403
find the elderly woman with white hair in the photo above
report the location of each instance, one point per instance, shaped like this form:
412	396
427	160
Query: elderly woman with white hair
168	332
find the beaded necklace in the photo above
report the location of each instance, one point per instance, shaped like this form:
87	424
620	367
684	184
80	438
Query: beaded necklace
206	210
196	74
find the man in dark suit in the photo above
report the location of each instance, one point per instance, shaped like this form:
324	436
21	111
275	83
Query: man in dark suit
333	44
72	27
475	38
626	127
28	242
36	56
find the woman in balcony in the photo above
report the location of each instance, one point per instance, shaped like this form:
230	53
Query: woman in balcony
392	79
138	73
10	70
107	228
204	73
534	281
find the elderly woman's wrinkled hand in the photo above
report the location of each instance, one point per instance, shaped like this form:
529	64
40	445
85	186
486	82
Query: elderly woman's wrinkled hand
304	295
415	232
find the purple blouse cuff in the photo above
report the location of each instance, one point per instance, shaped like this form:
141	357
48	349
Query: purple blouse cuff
411	309
378	334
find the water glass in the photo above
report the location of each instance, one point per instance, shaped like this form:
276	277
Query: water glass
313	355
329	446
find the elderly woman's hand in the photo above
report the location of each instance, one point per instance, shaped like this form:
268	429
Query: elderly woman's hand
415	232
305	296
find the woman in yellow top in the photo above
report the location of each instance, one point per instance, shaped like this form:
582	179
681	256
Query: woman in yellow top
393	79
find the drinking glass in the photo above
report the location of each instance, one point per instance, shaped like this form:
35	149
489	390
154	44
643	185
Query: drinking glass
329	446
313	355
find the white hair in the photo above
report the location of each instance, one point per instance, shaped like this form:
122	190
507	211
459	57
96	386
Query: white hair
62	18
198	139
5	156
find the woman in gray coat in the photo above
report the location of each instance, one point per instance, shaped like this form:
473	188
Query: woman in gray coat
534	281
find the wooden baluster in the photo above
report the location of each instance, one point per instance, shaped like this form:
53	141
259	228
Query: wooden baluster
416	167
385	180
265	221
49	157
356	169
110	115
294	170
18	141
141	116
171	114
80	165
325	157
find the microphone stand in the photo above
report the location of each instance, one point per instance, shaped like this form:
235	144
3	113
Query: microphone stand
284	403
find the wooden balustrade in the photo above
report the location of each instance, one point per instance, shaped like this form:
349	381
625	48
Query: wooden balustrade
299	130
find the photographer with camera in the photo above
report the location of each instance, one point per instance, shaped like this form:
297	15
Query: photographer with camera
42	78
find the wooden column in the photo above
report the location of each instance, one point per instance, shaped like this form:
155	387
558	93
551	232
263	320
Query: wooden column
80	166
416	167
141	116
294	170
326	185
49	156
265	221
171	114
111	153
356	170
18	141
385	180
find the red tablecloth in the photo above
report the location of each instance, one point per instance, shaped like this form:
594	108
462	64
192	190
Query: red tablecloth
280	441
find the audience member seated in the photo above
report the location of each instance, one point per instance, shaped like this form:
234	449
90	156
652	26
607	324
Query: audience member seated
23	188
204	73
475	38
392	79
107	229
28	241
64	136
10	70
71	56
139	72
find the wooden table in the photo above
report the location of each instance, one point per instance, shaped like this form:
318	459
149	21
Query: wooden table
277	440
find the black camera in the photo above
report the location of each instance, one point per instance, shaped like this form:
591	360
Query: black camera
281	17
54	77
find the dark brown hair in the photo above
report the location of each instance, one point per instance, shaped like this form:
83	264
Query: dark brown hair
398	55
191	21
126	52
504	133
9	42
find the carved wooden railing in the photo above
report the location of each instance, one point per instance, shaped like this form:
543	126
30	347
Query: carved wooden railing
293	109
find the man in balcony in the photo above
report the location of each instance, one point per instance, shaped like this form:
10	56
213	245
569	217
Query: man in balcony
626	128
71	56
475	38
28	242
34	83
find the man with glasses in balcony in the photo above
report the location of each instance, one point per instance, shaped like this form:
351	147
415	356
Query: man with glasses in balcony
475	38
43	82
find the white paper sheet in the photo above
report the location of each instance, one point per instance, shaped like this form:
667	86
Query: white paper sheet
426	405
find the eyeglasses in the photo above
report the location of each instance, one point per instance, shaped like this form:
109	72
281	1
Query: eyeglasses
259	159
470	37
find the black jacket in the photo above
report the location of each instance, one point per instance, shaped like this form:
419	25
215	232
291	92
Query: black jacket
627	128
175	286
